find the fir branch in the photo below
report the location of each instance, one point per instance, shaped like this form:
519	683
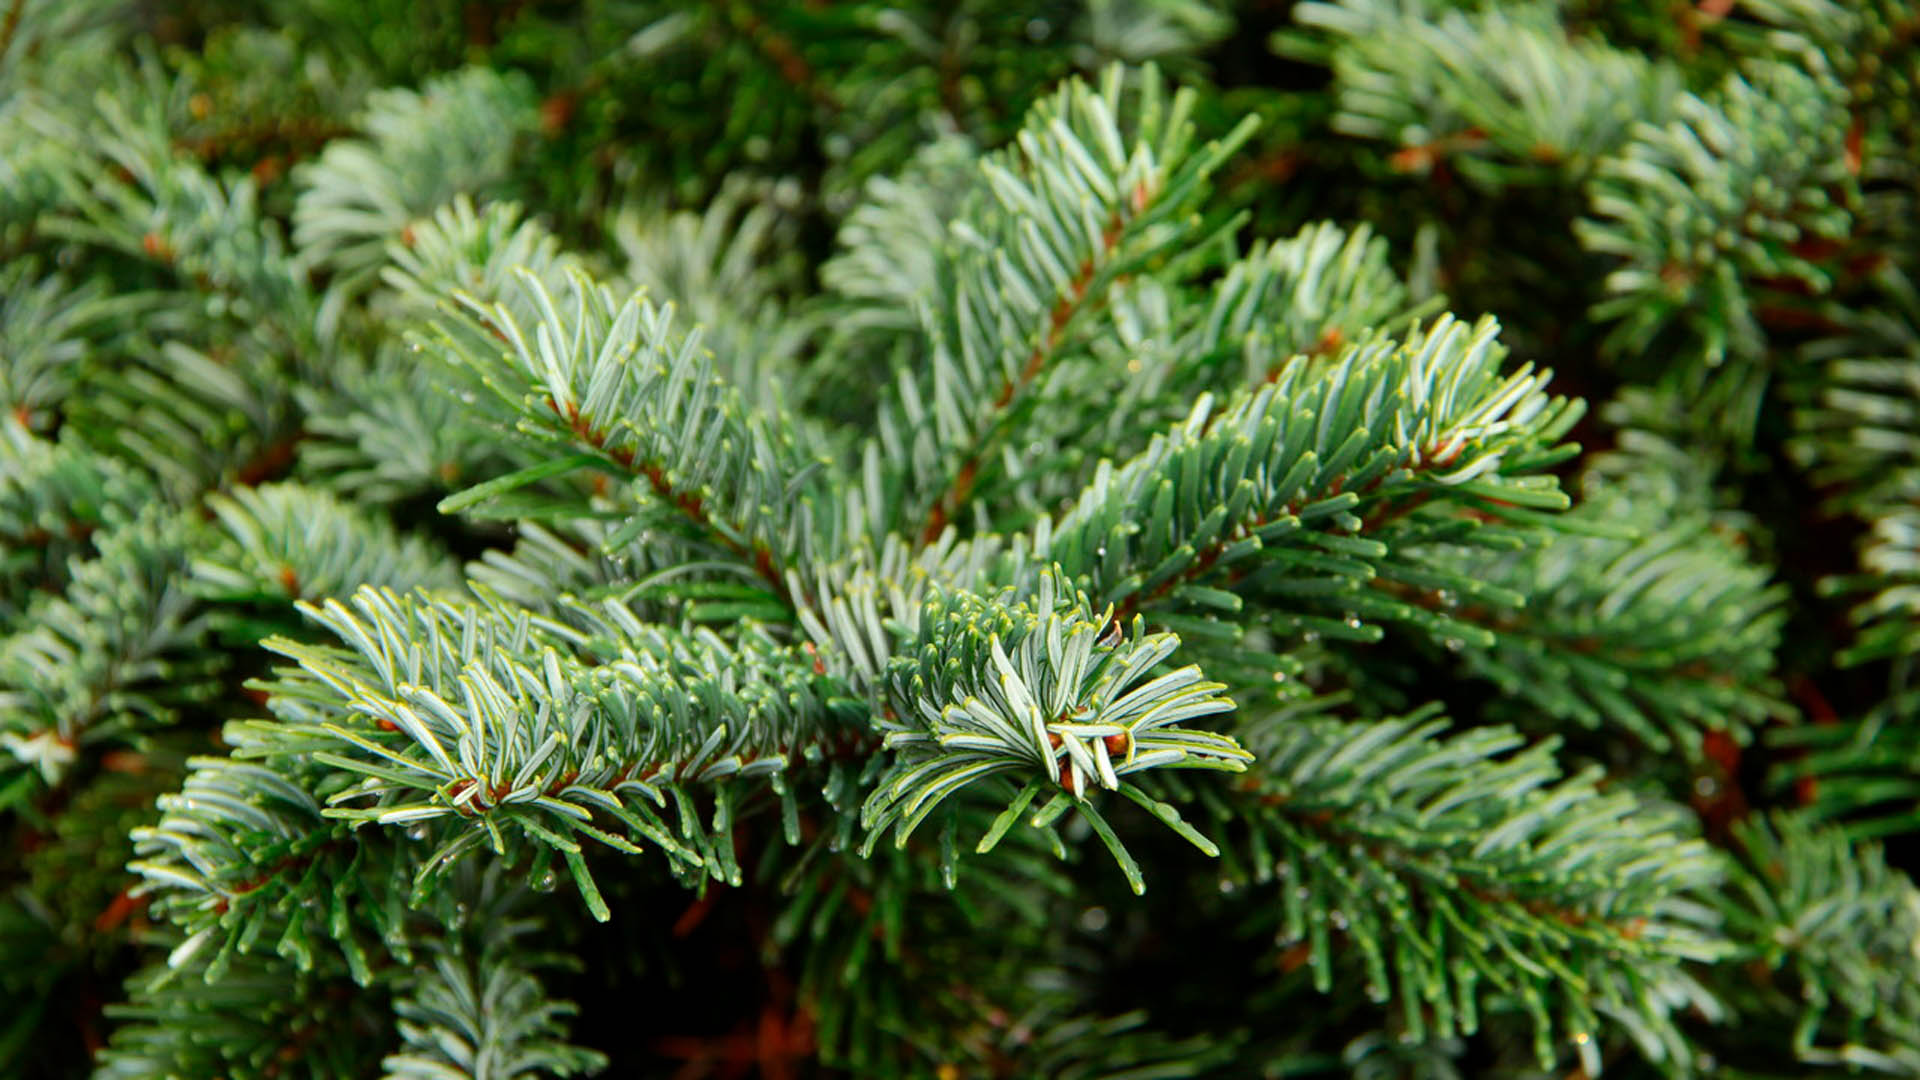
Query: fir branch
1052	494
1463	873
54	495
1310	293
259	1017
549	564
1297	481
1735	194
1857	439
726	269
889	253
1505	92
454	136
39	140
290	542
1859	779
118	651
502	729
617	381
985	686
392	428
478	251
480	1012
160	208
1838	925
196	419
1160	348
781	53
389	427
1664	634
240	855
1054	225
44	332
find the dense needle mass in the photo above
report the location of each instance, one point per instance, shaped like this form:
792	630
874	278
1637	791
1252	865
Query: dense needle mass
1092	540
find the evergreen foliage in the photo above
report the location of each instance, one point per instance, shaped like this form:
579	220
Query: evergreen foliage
1125	539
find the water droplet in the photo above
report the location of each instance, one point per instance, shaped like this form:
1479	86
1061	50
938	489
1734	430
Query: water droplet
1093	920
417	832
1454	644
1582	1038
1706	787
1101	551
1227	886
1279	676
545	881
1338	918
1353	622
1310	637
1038	29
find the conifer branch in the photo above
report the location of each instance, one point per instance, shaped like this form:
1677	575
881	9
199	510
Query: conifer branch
1059	702
1670	206
1281	479
618	382
1858	440
480	1012
502	732
1661	628
455	136
1465	870
292	542
1071	302
118	650
1054	224
1505	95
1838	925
257	1012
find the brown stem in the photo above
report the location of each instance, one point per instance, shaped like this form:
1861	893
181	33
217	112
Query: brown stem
10	25
785	57
271	462
298	132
